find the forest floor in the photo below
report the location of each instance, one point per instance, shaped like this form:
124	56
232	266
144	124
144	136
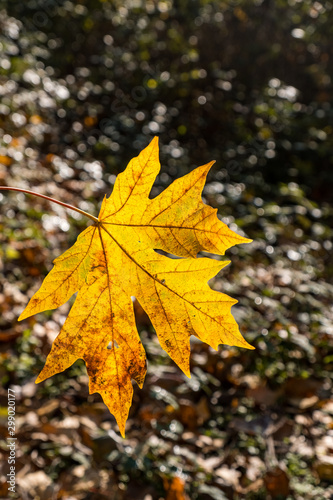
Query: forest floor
248	424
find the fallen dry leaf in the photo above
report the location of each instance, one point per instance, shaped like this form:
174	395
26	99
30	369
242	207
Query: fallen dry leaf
175	489
277	482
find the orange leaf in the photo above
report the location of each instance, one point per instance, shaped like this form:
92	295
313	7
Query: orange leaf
5	160
175	490
115	259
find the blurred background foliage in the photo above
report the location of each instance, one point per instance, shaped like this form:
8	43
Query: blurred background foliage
84	87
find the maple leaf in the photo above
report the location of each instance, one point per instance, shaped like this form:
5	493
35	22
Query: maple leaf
115	259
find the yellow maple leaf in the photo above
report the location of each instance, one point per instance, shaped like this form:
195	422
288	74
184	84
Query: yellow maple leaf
115	259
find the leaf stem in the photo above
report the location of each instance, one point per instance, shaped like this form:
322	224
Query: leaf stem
53	200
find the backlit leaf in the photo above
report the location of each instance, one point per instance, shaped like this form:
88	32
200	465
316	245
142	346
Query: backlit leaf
116	259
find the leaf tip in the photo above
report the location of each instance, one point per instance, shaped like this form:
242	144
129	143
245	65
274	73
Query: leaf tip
122	430
24	315
154	142
247	240
45	373
246	345
222	264
206	168
39	379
